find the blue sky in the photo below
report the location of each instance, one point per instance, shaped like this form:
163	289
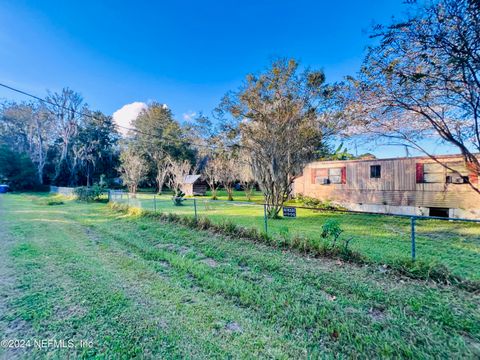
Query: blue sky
186	54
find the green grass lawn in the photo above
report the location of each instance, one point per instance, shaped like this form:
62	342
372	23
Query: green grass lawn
221	195
134	286
383	239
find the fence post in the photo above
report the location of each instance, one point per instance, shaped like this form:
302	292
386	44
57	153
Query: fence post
195	207
154	203
128	199
265	218
412	223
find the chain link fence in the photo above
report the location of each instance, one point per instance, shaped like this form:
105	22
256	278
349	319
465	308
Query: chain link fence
381	238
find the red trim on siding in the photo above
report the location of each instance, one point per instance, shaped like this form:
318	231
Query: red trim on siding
473	178
344	175
419	172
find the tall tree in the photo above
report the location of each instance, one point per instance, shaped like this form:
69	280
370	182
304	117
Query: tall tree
215	143
227	172
245	176
66	107
132	168
281	122
422	81
178	171
211	173
159	138
95	146
28	128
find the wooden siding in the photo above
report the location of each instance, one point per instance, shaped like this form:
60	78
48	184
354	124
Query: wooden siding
397	186
395	175
194	189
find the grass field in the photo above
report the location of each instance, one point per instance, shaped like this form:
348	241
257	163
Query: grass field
383	239
221	195
134	286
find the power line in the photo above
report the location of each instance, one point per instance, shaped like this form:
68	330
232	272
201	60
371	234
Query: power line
46	101
70	109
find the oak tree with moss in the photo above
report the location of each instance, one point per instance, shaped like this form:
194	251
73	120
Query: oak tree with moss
282	125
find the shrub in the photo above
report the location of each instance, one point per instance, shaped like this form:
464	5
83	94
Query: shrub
55	202
17	170
317	203
227	228
284	231
251	233
92	193
51	200
178	199
189	221
204	223
331	230
172	217
134	211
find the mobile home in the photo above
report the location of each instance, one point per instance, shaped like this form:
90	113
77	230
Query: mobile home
409	186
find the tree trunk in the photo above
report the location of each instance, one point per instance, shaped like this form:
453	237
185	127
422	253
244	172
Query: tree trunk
274	198
213	189
248	190
160	183
229	190
40	173
41	154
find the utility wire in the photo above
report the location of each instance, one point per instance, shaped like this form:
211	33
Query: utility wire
45	101
69	109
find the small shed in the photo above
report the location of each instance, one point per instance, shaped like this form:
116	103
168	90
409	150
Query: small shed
194	185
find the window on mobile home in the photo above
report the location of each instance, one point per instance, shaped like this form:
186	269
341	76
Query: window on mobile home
433	173
375	172
335	175
327	176
437	173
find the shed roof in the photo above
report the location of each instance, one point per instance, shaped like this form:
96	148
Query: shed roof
190	179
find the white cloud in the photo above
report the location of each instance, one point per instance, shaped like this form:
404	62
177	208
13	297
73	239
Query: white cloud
127	113
189	116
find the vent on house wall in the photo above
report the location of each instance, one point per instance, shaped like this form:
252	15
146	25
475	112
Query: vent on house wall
438	212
